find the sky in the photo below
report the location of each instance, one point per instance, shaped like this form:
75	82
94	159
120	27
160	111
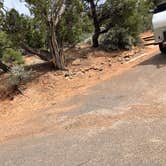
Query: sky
19	6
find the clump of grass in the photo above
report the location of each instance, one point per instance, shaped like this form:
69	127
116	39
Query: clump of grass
18	76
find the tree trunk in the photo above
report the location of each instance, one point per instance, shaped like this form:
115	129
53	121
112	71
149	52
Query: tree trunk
95	40
57	57
4	67
96	24
56	52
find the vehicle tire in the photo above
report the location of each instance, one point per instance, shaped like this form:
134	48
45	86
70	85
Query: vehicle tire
162	49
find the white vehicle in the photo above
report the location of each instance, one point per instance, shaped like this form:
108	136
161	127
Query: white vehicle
159	26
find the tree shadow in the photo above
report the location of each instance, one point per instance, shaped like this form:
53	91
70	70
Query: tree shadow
76	52
84	52
159	60
39	69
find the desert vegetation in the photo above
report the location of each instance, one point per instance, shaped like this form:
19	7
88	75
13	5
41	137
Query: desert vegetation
55	26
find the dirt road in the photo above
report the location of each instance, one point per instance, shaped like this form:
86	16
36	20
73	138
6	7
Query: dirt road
121	121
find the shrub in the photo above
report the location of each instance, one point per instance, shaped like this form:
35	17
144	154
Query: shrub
10	55
125	25
4	42
86	38
18	75
117	38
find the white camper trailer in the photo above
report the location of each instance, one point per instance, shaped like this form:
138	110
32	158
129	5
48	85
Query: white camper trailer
159	26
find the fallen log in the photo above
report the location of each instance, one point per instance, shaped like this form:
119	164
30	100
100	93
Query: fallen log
44	55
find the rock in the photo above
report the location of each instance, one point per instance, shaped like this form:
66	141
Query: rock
76	62
83	71
136	51
67	74
126	56
110	64
69	78
87	69
131	53
127	59
84	56
80	73
109	60
94	68
120	59
100	69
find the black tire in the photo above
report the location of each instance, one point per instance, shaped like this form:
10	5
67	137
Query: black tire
162	49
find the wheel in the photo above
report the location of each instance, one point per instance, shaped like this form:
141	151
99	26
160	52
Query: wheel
162	49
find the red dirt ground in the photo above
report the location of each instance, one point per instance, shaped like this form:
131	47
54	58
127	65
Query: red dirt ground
36	111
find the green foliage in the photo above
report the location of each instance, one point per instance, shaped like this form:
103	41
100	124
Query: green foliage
12	56
4	42
18	75
126	19
73	23
35	38
117	38
12	27
125	28
71	26
23	29
7	54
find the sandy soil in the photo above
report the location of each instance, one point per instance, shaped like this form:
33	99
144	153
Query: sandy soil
36	111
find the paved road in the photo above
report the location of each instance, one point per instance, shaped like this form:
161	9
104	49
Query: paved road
130	109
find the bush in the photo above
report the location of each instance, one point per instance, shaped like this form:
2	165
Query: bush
18	75
86	38
117	38
10	55
125	25
4	42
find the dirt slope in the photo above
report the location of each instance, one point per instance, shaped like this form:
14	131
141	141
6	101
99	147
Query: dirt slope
45	97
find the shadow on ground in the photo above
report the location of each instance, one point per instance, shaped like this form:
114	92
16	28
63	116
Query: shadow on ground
159	60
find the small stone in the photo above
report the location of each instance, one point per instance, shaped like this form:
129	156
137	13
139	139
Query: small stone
110	64
83	71
119	59
79	73
126	56
76	62
109	60
84	56
87	69
100	69
67	74
127	59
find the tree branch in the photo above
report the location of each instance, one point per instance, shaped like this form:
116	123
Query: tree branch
46	56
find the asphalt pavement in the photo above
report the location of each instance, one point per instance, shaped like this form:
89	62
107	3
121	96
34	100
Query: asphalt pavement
135	136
